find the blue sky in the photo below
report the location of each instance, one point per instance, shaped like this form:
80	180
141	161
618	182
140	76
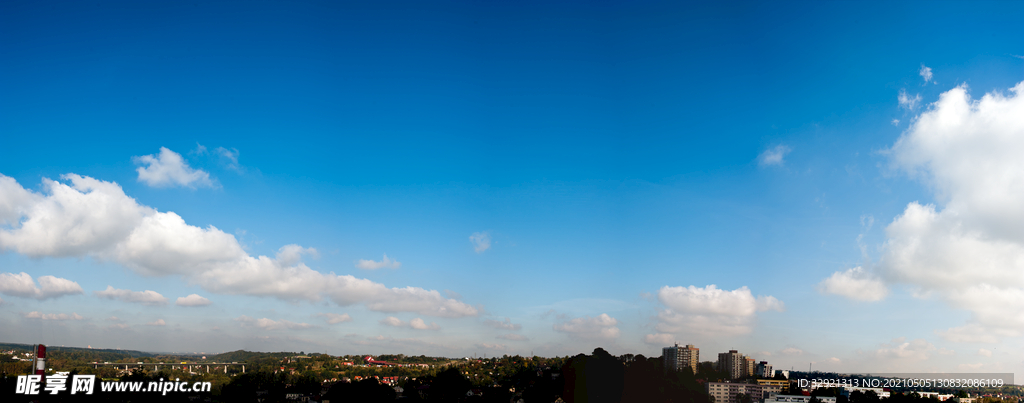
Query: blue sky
542	178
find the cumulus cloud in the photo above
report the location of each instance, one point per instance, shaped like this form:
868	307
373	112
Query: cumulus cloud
89	217
984	353
53	316
908	102
192	300
968	248
855	283
158	322
710	310
22	285
384	263
504	325
168	169
512	336
773	156
334	318
481	241
141	297
926	73
419	324
895	122
598	327
270	324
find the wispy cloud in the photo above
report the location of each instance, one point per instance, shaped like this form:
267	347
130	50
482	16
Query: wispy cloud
53	316
270	324
147	297
773	156
481	241
334	318
505	325
907	101
385	263
926	73
415	323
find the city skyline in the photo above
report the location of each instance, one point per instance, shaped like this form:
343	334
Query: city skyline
836	184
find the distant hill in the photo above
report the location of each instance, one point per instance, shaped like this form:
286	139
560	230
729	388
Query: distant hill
246	356
49	349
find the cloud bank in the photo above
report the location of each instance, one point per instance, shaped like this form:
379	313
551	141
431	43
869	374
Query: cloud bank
86	217
968	249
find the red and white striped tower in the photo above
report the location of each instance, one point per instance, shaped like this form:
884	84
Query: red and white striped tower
39	362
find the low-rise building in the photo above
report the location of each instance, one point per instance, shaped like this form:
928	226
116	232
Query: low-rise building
729	392
798	399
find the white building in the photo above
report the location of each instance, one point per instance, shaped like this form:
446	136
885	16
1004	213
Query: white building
798	399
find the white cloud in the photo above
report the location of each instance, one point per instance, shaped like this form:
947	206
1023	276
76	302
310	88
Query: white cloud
710	310
660	339
976	333
834	360
270	324
142	297
969	249
95	218
926	73
504	325
791	351
384	263
512	336
855	283
918	349
334	318
481	241
230	158
168	169
984	353
15	201
895	122
192	300
21	285
489	346
392	321
773	156
419	324
158	322
415	323
599	327
53	316
908	102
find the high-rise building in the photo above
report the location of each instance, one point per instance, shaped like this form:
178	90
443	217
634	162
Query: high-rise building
764	370
733	364
749	366
678	357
